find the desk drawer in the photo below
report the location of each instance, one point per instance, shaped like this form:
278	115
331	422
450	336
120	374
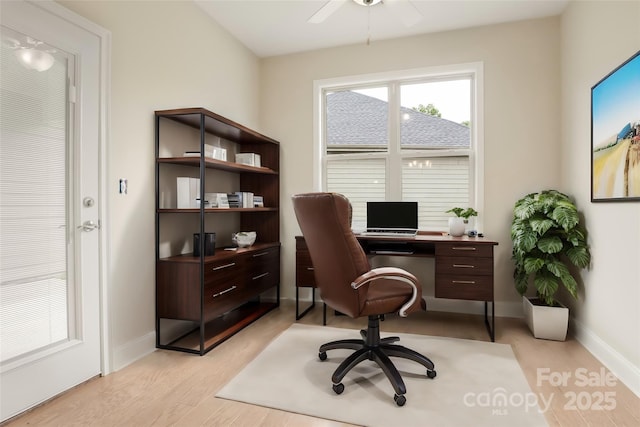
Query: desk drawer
471	265
478	288
304	270
464	249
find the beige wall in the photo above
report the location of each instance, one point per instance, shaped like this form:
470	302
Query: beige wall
164	55
596	38
521	108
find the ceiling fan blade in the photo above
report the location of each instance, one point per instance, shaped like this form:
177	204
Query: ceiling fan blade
325	11
405	11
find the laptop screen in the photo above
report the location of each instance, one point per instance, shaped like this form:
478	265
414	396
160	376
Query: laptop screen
392	215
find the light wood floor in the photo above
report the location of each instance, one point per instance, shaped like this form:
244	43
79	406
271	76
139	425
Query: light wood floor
172	388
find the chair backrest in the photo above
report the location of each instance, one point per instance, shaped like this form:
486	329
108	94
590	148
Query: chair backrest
337	257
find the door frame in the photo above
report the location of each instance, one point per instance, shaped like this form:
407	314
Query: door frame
104	37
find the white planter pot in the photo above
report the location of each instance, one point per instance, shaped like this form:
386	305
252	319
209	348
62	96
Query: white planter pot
549	323
456	226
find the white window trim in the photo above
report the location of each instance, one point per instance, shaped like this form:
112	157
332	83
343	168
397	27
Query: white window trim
477	117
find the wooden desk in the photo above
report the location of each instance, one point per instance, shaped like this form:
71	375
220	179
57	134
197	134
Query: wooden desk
463	266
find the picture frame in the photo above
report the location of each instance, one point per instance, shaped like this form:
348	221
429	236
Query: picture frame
615	134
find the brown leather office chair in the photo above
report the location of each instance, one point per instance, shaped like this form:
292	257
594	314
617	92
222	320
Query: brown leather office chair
349	285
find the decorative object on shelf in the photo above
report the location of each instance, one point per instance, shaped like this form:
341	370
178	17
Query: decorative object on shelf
615	129
210	151
457	224
244	239
547	236
250	159
209	244
188	192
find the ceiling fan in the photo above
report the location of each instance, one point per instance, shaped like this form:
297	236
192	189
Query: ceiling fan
404	9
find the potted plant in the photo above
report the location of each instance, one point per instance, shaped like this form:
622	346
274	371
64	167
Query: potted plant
458	224
547	239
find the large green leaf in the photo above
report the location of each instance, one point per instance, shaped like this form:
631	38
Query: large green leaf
541	224
550	244
557	267
525	241
576	237
546	287
533	264
524	208
566	215
579	256
570	284
522	280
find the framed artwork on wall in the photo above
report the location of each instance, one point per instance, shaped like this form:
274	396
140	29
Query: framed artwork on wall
615	134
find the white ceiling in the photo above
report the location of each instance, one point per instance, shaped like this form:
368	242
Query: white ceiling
277	27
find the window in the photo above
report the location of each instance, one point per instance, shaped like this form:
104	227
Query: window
412	136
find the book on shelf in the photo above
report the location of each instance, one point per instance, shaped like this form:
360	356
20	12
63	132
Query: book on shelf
240	199
221	201
258	201
188	192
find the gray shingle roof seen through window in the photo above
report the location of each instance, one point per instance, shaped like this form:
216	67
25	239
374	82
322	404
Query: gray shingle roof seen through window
355	119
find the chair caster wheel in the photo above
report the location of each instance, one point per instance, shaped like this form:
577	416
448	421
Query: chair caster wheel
400	400
431	374
322	355
338	388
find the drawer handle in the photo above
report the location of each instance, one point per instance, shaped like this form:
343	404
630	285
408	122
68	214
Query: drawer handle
466	282
463	248
464	266
310	268
224	292
220	267
260	254
260	276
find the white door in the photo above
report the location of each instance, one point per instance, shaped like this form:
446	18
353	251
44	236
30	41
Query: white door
50	232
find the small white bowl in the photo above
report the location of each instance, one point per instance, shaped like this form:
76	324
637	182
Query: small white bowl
244	238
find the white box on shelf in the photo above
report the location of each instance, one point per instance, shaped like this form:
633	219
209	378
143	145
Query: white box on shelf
251	159
219	153
188	192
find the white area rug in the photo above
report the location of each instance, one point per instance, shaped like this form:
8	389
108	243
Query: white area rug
478	383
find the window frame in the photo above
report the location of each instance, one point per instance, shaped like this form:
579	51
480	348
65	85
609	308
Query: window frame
395	79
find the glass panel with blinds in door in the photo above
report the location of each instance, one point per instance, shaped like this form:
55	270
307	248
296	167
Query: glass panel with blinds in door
36	292
428	152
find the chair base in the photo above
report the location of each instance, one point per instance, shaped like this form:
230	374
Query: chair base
372	347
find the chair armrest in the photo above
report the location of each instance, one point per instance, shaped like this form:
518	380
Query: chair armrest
392	273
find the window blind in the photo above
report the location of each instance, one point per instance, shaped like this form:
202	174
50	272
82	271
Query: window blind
33	200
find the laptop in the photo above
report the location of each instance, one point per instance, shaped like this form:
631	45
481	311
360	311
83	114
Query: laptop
392	219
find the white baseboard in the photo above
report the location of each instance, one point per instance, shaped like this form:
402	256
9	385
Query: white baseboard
133	350
621	367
